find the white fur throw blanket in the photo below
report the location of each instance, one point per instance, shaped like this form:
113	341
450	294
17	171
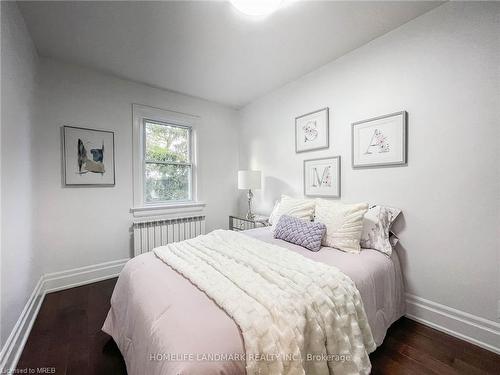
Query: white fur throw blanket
297	316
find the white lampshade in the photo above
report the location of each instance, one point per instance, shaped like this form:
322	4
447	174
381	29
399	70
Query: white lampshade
249	180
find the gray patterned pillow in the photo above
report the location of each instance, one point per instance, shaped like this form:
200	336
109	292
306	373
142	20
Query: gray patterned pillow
376	229
301	232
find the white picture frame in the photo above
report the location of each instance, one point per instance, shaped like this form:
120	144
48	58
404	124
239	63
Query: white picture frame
322	177
380	141
312	131
88	157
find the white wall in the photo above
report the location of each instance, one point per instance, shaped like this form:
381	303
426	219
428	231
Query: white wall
20	266
443	68
85	226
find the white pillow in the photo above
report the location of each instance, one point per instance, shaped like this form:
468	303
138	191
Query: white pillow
301	208
272	215
344	224
376	229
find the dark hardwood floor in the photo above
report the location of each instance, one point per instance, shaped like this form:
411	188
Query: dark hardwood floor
67	336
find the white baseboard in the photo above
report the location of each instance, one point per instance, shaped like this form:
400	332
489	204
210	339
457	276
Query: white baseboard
14	345
84	275
50	282
474	329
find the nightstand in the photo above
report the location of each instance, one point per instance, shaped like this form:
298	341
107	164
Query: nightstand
239	223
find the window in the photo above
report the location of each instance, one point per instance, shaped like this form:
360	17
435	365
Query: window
164	162
167	162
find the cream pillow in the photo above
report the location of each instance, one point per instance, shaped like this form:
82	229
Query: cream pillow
344	224
272	216
301	208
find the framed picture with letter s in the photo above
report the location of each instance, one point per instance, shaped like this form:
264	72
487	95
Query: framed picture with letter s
311	131
380	141
322	177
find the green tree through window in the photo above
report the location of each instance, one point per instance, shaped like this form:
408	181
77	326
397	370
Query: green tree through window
168	168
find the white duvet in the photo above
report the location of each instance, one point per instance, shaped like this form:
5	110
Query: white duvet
296	316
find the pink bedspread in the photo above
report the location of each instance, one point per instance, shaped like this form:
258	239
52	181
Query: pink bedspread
165	325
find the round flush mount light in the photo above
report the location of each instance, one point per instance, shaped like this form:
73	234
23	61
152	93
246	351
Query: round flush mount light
256	8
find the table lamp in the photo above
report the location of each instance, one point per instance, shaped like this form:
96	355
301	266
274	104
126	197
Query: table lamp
249	180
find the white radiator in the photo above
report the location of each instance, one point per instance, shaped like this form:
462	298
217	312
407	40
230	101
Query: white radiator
158	232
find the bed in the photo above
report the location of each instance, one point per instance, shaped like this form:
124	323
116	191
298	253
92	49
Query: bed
163	324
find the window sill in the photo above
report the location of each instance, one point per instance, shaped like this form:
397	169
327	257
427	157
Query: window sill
168	210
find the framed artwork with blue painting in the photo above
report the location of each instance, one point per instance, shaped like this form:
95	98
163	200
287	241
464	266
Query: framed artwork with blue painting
380	141
322	177
88	157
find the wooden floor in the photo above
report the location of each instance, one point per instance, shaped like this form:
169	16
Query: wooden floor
67	337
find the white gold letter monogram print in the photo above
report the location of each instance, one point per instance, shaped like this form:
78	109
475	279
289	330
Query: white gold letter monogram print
325	180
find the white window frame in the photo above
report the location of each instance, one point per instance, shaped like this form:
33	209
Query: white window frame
189	163
140	114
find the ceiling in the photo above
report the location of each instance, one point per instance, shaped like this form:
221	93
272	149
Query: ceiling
209	49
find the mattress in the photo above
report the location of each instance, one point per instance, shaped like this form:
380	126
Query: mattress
164	325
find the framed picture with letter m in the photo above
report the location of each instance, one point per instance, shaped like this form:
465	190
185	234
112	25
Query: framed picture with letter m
322	177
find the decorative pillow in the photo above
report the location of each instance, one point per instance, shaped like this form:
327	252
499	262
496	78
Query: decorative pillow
272	216
376	229
301	232
300	208
344	224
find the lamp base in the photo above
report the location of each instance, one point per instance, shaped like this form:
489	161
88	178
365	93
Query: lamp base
250	214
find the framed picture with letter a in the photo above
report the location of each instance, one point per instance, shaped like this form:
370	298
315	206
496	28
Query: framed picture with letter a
322	177
380	141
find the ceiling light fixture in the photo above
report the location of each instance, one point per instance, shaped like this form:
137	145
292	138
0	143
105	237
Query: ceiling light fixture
256	8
